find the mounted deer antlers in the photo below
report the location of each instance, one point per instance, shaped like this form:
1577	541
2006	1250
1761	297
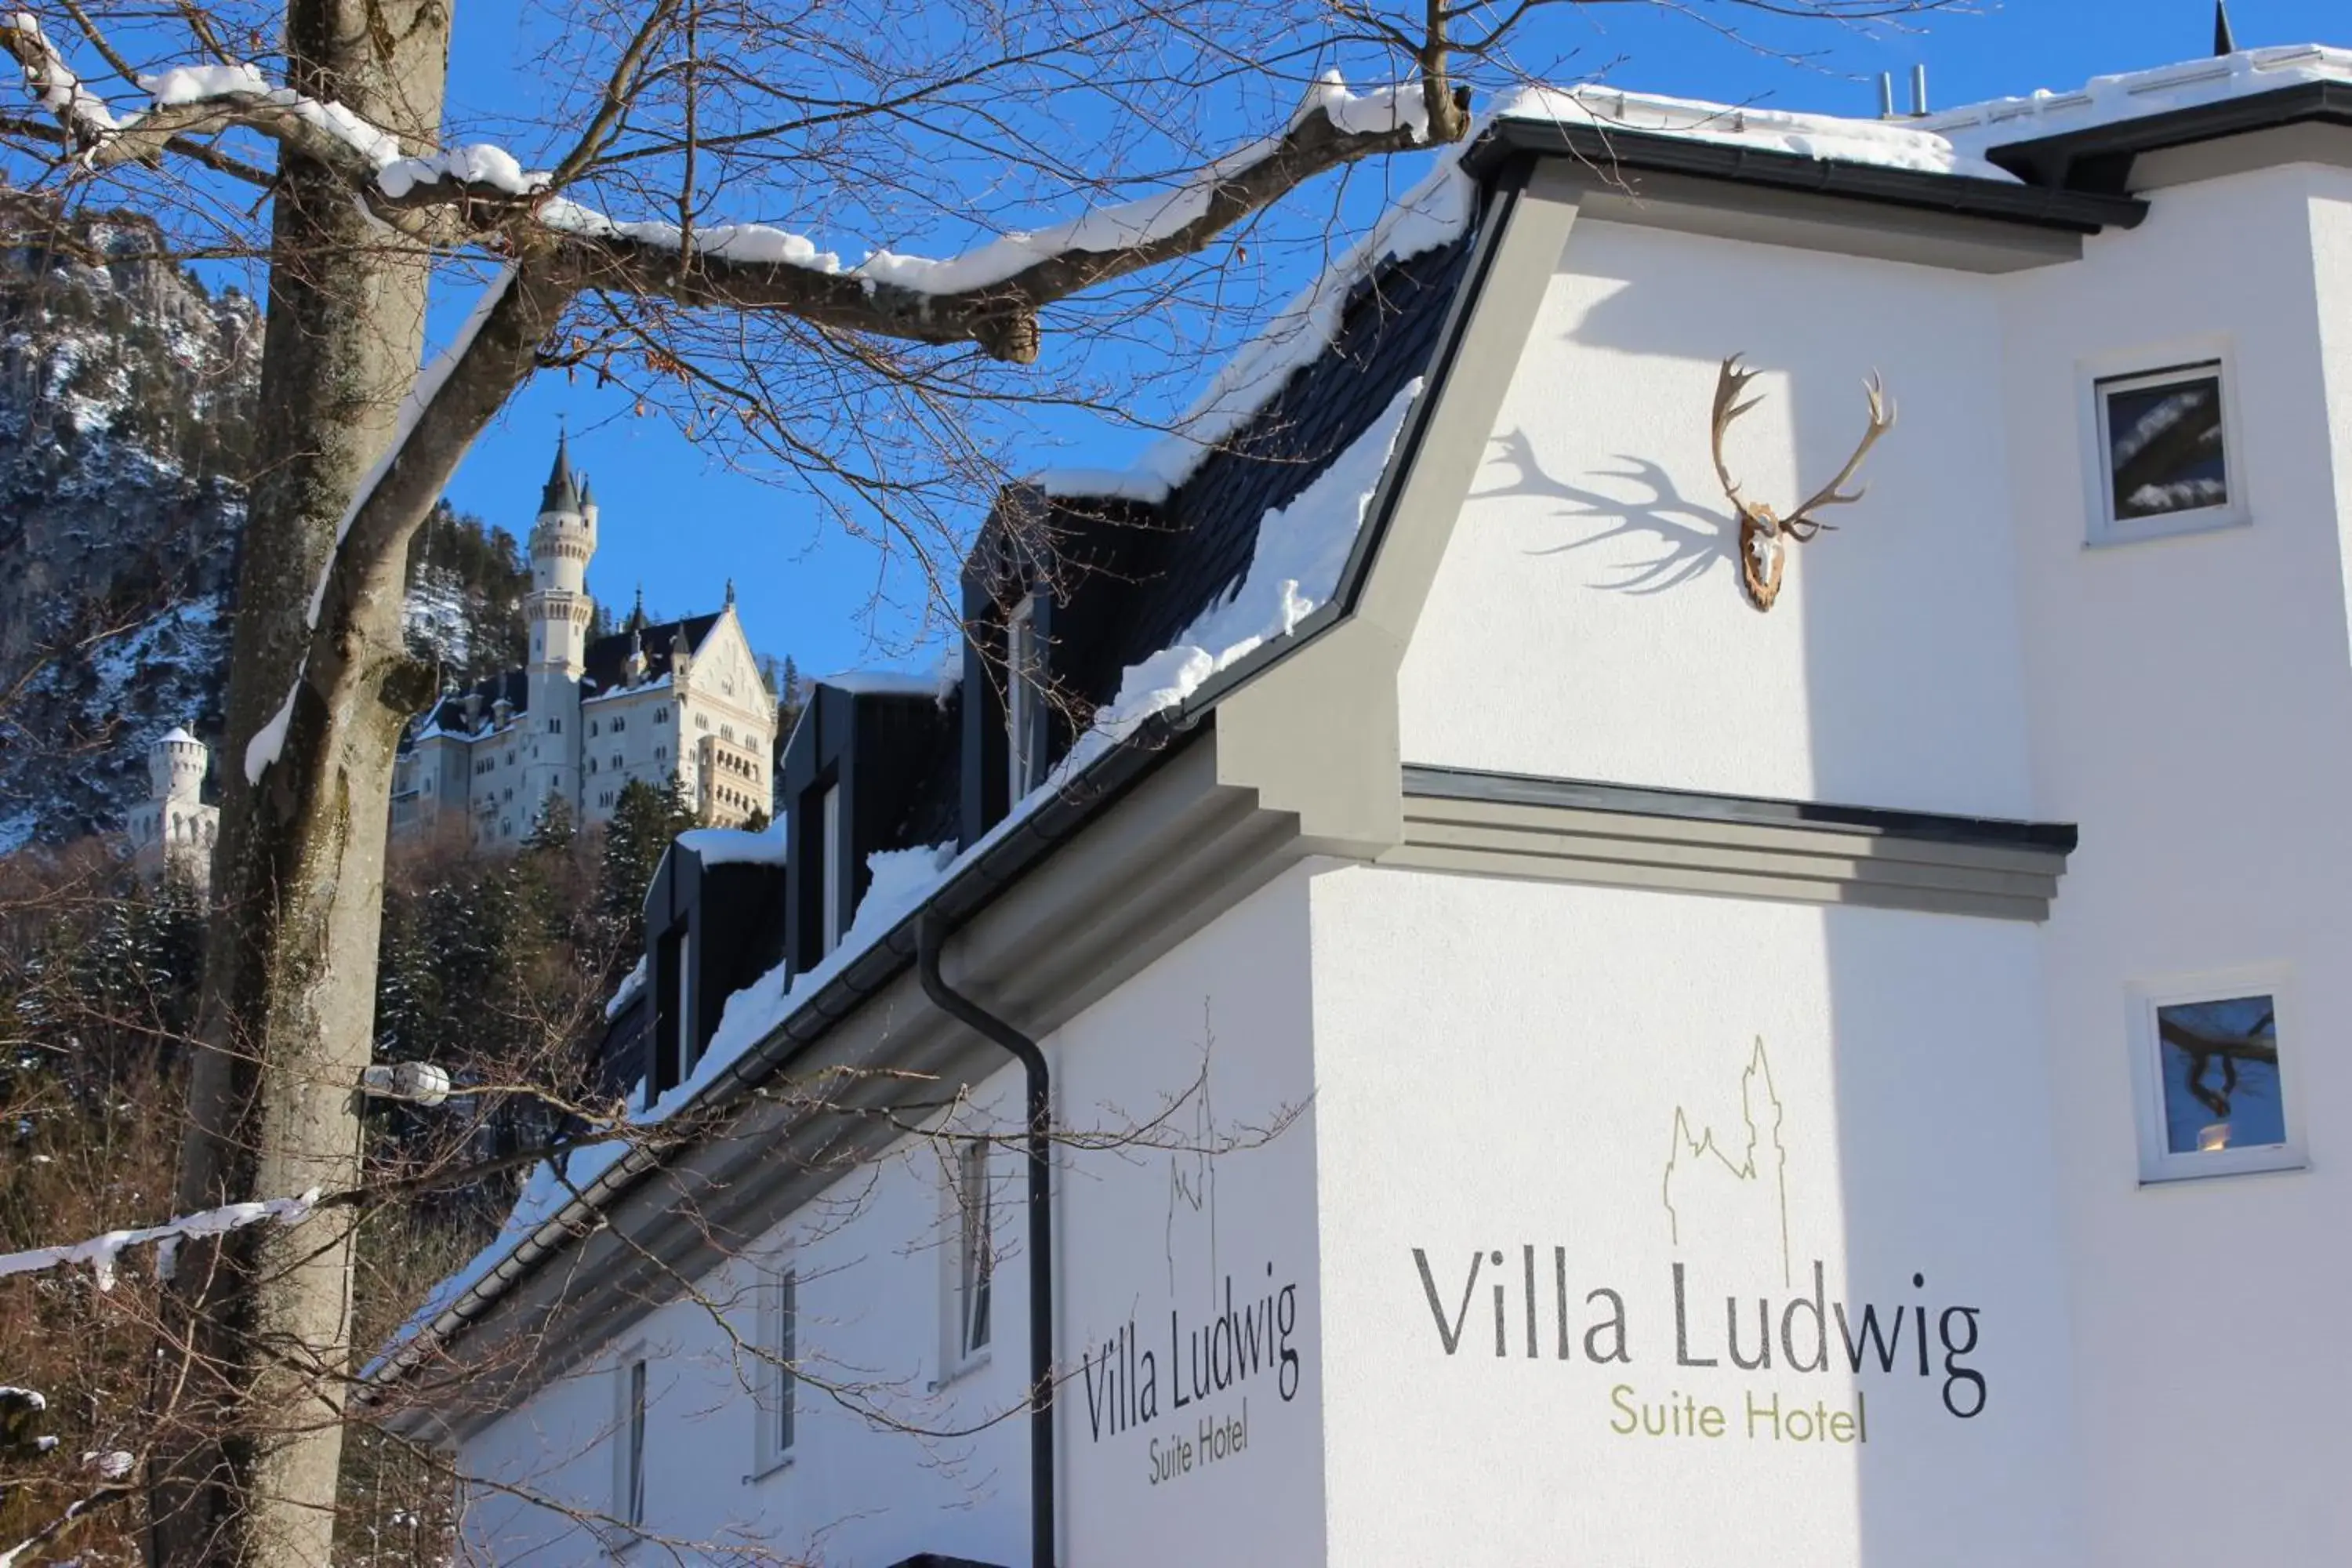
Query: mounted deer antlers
1763	554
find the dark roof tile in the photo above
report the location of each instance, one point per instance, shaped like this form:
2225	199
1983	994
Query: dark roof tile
1131	577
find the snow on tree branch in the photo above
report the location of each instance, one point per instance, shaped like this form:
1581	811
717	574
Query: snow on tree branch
480	197
100	1253
190	100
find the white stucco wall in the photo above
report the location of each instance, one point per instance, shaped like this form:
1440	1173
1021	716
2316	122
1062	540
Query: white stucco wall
1508	1069
1187	1163
2192	710
870	1260
1196	1248
1587	620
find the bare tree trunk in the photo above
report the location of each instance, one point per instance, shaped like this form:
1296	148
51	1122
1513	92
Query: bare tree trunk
247	1472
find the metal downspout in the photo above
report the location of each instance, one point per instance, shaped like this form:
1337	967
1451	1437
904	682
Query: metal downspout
930	936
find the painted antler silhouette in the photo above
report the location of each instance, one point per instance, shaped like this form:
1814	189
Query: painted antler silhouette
1763	533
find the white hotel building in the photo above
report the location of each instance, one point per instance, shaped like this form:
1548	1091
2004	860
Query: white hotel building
1547	1062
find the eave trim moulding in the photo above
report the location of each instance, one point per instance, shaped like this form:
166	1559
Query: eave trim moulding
1572	830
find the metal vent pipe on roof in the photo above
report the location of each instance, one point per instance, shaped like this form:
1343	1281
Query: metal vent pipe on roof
1918	90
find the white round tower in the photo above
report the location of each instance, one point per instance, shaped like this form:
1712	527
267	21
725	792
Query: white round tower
562	541
173	827
558	609
176	765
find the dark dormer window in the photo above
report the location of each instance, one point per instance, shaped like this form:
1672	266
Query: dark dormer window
1024	708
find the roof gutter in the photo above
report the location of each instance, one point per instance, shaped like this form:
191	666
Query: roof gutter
1608	151
931	930
1023	846
2097	159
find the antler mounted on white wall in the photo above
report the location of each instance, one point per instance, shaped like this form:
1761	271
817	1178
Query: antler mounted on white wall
1764	534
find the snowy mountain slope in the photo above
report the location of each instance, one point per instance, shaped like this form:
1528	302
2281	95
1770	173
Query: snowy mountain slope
126	396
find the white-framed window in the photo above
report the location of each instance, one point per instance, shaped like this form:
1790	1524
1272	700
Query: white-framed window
971	1278
2166	457
1024	698
630	1402
2212	1072
829	894
776	1409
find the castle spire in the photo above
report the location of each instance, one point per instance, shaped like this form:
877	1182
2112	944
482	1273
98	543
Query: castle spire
2225	42
562	493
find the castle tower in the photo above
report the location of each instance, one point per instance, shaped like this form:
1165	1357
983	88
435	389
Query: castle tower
176	765
173	826
558	609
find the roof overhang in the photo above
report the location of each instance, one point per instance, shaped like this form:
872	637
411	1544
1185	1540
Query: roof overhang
2104	162
1774	196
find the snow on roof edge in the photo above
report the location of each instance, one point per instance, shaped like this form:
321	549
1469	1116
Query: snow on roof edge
2137	95
1954	142
1434	213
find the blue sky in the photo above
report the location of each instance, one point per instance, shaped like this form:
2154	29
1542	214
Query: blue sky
681	524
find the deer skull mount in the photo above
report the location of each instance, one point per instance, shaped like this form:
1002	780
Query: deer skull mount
1763	533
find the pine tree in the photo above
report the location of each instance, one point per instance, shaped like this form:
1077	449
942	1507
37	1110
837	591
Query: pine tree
790	699
645	820
553	830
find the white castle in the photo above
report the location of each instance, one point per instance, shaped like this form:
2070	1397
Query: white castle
682	702
173	827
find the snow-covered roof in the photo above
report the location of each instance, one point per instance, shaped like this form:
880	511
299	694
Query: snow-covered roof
937	684
1954	143
734	846
175	735
1911	144
2136	95
1300	546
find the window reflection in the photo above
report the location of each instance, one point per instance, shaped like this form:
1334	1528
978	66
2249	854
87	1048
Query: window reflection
2164	446
2221	1088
